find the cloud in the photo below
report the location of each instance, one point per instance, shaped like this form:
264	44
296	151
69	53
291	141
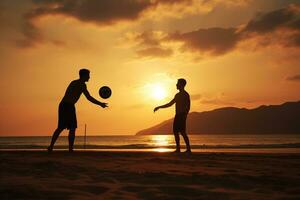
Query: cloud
211	41
264	28
99	12
32	35
180	9
149	38
280	27
287	17
215	41
112	11
293	78
149	44
292	40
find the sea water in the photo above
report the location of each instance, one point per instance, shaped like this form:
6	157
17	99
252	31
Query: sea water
283	143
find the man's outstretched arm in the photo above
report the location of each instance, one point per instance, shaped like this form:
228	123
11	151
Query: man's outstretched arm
165	106
93	100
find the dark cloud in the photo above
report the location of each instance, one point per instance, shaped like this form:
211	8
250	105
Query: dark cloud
271	21
1	10
215	41
293	40
211	41
32	35
100	12
148	38
284	22
280	26
149	45
294	78
3	17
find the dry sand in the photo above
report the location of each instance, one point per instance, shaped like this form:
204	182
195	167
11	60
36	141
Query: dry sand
145	175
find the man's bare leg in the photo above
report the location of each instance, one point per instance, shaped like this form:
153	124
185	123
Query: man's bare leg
71	139
54	138
177	140
187	142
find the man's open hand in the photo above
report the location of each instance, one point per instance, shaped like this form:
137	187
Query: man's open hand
103	105
155	109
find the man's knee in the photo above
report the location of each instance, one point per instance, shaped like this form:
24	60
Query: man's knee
175	133
72	131
183	133
59	129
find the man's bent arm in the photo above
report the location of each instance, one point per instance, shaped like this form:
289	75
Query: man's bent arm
168	104
165	105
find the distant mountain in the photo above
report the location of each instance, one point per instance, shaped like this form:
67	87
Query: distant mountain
273	119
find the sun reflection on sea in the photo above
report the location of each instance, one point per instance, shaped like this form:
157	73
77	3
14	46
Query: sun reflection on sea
161	150
162	142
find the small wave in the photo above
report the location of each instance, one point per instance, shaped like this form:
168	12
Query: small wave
248	146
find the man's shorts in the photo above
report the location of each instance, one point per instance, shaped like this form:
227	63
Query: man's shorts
179	124
67	116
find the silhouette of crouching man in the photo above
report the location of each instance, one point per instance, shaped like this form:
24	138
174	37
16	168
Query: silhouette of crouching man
182	104
66	111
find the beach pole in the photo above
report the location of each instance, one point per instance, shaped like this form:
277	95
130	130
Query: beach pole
84	136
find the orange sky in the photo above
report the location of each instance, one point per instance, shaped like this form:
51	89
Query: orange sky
241	53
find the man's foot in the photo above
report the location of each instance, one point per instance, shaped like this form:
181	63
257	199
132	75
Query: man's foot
49	149
176	151
71	150
188	151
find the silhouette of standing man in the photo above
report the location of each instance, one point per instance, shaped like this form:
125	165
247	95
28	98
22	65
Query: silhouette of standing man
66	111
182	101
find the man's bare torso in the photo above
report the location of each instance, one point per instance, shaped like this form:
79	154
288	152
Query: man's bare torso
74	91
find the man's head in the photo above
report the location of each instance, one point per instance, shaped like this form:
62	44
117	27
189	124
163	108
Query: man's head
181	84
84	74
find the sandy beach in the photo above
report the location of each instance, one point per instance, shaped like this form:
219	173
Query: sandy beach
148	175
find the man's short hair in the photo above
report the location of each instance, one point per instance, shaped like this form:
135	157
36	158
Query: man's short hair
84	72
182	82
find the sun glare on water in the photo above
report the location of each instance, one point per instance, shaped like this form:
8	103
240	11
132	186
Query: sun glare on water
162	143
160	140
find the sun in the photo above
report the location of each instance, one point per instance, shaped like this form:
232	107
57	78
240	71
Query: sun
155	90
158	92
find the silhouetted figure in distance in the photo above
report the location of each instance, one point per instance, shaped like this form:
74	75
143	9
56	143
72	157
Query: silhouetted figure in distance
66	111
182	101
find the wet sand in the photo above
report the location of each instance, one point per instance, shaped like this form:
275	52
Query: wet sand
148	175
